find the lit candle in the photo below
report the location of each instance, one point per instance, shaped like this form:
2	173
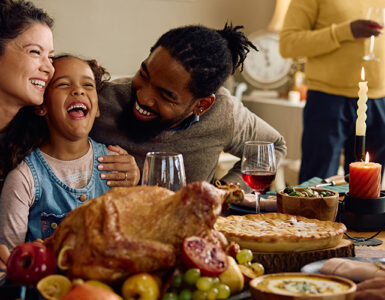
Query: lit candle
361	117
364	179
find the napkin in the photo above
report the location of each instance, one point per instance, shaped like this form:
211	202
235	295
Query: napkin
352	269
344	188
267	204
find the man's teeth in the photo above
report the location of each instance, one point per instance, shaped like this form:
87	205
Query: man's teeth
141	110
39	83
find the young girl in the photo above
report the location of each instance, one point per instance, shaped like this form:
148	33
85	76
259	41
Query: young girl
62	173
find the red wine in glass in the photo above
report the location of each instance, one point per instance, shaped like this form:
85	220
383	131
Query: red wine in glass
258	180
258	167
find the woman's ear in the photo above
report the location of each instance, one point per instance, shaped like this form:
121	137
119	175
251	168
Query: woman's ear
40	111
203	104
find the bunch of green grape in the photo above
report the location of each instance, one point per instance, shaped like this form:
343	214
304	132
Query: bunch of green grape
192	286
245	257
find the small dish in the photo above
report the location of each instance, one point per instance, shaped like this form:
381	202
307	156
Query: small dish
315	266
300	286
314	207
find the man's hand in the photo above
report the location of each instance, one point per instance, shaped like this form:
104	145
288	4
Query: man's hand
373	289
365	28
125	171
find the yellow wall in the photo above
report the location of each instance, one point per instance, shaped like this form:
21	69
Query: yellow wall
119	33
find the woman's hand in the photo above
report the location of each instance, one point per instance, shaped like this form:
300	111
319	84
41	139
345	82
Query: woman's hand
125	171
373	289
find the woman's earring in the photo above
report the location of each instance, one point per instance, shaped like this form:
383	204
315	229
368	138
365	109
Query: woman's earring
39	111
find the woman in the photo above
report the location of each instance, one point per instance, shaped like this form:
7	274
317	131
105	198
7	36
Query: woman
26	48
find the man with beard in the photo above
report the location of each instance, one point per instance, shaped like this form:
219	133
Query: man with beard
175	102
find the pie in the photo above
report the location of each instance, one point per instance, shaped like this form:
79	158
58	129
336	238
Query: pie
277	232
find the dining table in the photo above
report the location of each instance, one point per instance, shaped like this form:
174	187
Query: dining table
365	252
369	251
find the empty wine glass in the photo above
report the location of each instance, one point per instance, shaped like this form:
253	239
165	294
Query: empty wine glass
258	167
378	15
165	169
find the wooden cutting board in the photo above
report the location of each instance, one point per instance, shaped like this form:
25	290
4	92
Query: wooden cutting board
294	261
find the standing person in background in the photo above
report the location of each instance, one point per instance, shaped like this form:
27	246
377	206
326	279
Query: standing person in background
175	102
333	36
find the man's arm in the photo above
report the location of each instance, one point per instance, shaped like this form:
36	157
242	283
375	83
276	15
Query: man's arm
299	36
249	127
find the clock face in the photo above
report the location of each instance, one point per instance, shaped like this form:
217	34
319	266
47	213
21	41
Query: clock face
266	68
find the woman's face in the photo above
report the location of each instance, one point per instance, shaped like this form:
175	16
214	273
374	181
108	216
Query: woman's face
26	67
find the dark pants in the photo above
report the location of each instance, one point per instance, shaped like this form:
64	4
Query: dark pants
329	123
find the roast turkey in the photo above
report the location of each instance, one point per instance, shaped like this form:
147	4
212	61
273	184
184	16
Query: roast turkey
136	229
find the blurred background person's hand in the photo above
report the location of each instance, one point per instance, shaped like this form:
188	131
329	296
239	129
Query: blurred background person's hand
365	28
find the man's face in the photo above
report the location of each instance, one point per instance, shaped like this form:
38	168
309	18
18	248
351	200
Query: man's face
160	96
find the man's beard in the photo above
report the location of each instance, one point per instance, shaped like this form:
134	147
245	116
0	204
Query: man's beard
141	131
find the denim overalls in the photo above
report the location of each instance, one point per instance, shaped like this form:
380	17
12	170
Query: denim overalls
54	199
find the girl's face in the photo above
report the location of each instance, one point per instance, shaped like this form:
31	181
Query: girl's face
26	67
71	100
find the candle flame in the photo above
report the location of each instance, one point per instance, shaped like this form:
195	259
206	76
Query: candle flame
362	74
367	157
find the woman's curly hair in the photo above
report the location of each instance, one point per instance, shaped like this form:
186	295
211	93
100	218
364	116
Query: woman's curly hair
16	16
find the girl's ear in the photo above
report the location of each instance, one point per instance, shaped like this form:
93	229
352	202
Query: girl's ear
40	111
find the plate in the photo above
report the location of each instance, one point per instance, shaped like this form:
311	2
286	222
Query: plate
314	267
240	209
243	295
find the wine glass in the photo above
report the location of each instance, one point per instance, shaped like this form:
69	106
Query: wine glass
258	167
165	169
375	14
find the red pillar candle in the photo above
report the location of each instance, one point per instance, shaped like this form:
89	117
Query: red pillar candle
364	179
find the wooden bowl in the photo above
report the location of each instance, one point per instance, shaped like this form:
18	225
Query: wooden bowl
272	287
321	208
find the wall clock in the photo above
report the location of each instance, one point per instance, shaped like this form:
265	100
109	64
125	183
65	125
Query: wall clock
266	68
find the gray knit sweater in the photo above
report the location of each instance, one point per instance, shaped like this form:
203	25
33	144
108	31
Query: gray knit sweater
225	127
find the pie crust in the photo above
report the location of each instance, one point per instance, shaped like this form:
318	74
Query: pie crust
277	232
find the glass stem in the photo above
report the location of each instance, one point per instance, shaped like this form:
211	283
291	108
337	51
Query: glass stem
371	45
257	202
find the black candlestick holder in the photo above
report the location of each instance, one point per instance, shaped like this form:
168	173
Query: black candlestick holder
363	214
359	147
